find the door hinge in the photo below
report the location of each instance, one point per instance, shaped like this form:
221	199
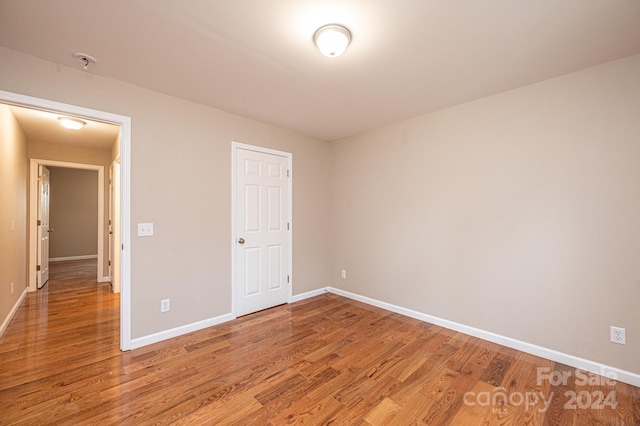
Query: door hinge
109	221
39	222
38	268
39	178
109	263
288	226
288	278
287	173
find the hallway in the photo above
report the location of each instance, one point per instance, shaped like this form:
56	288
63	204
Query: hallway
50	334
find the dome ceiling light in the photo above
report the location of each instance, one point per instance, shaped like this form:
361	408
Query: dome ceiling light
72	123
332	40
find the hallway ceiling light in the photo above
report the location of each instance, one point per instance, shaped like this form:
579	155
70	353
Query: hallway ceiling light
332	40
72	123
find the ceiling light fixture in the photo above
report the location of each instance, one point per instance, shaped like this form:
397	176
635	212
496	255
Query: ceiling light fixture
72	123
84	59
332	40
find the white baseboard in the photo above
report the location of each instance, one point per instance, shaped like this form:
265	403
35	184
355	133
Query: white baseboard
12	312
308	294
83	257
570	360
178	331
104	280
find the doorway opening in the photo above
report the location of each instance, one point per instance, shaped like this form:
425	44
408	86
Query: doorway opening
124	124
39	258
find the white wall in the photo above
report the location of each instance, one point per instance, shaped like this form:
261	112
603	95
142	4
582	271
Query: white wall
517	214
181	181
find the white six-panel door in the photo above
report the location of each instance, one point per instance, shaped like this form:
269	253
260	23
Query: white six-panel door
262	228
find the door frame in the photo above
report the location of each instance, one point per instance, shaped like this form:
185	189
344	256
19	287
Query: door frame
34	164
125	189
235	146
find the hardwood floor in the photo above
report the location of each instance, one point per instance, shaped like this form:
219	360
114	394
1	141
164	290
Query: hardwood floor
325	360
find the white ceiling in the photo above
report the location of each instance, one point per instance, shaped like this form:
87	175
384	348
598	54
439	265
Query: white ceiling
44	126
256	58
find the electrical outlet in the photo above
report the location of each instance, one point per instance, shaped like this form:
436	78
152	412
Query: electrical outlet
11	288
618	335
165	305
343	274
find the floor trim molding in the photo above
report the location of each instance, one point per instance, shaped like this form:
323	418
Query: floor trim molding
308	294
65	258
12	312
179	331
570	360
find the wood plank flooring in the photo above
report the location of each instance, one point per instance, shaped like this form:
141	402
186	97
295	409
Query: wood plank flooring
325	360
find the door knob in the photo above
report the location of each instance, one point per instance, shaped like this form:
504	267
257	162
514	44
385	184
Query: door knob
50	230
241	241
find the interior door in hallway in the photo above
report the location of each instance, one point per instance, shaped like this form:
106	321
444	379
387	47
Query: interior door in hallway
115	243
262	248
110	219
44	196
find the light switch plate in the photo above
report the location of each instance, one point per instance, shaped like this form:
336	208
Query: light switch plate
145	229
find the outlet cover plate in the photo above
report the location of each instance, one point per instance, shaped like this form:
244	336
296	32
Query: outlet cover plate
619	335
